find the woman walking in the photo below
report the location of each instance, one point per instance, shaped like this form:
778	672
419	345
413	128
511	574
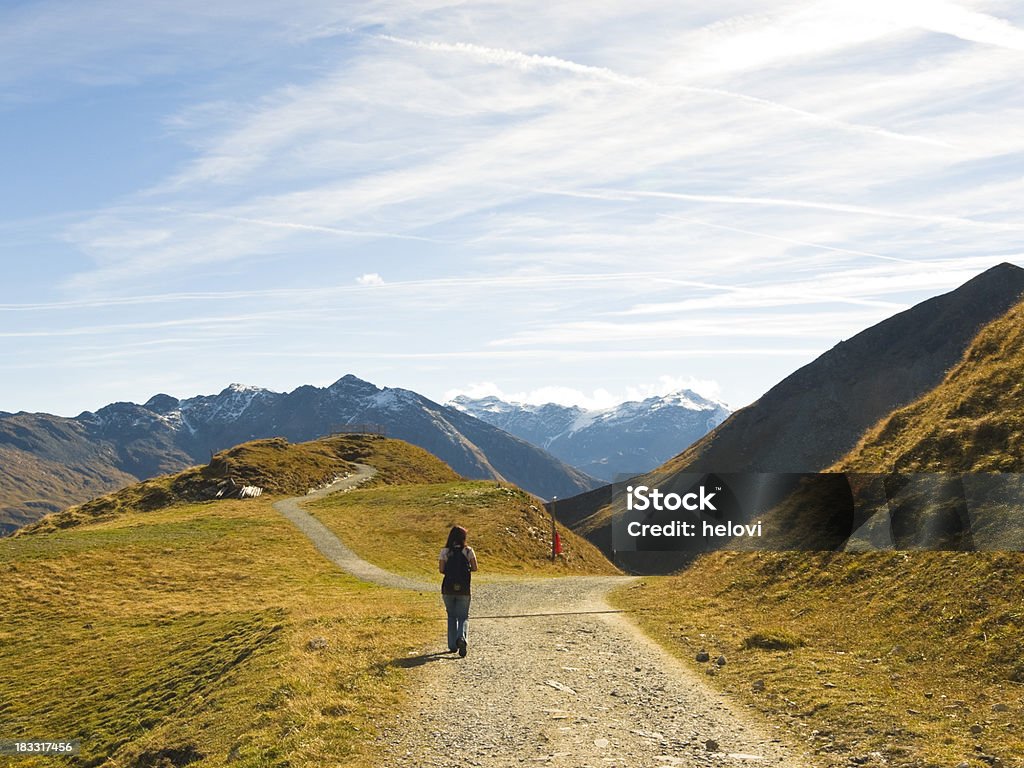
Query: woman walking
457	562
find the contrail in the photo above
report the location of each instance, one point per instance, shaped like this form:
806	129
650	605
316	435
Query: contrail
529	281
787	239
524	61
530	62
628	194
312	227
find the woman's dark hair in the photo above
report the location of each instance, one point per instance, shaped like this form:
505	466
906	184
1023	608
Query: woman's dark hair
456	537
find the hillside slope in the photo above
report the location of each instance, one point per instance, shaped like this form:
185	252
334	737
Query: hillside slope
834	645
881	659
275	465
508	529
972	422
816	415
200	634
801	424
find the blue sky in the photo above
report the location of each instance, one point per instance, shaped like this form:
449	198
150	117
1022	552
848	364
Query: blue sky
578	201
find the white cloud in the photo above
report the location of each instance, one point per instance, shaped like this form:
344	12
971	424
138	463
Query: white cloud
599	398
952	19
813	30
594	183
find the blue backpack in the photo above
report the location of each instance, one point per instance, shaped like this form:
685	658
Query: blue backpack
456	573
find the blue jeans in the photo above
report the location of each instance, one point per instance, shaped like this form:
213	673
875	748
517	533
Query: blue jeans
458	618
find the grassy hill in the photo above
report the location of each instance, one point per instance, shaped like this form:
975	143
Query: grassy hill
972	422
275	465
894	658
164	631
403	528
180	636
815	416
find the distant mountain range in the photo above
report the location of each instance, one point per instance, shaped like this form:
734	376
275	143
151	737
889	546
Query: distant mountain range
51	462
628	439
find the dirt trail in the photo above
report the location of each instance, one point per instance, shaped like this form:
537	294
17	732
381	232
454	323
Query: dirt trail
572	689
330	546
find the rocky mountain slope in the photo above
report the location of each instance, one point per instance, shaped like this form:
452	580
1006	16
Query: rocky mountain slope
813	417
628	439
972	422
953	459
57	461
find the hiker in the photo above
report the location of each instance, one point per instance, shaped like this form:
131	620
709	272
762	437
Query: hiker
456	561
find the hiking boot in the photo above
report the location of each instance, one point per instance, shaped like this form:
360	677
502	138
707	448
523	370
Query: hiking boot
462	647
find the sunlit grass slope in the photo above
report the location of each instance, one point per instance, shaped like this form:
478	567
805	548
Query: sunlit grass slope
972	422
182	635
164	632
275	465
905	659
402	528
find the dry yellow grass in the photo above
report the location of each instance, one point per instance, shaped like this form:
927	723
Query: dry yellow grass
972	422
889	658
182	634
166	633
402	529
883	658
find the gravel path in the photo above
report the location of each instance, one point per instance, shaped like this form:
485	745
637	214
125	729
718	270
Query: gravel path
580	688
331	546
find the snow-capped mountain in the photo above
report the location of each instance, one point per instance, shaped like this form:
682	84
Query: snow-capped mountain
57	461
628	439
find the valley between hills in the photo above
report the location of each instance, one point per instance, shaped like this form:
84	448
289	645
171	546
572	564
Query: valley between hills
215	633
163	626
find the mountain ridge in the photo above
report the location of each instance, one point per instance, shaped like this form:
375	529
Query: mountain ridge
125	442
815	415
972	422
624	440
766	436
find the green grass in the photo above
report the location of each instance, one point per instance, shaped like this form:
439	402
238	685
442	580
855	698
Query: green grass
182	634
399	463
894	653
772	640
403	528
